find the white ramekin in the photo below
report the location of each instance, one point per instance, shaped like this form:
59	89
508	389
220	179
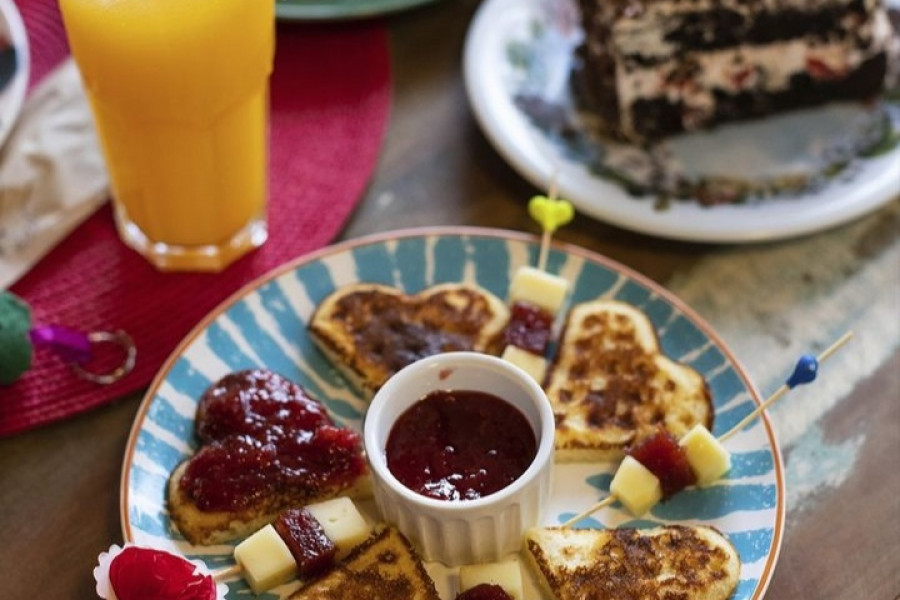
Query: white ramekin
463	531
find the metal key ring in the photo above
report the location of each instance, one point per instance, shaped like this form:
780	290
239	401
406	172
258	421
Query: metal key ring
121	339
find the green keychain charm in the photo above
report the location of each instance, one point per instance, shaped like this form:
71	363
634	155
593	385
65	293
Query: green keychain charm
75	348
15	347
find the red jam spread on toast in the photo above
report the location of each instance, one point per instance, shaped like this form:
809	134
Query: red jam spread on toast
529	327
255	402
460	445
408	329
665	458
265	437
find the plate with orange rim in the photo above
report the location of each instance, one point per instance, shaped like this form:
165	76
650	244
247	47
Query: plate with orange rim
264	325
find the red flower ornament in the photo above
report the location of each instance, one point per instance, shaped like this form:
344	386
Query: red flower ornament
137	573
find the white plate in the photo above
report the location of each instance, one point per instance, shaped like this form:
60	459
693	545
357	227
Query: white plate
265	325
327	10
14	65
519	47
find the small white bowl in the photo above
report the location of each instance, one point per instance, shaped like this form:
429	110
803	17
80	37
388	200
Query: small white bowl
460	532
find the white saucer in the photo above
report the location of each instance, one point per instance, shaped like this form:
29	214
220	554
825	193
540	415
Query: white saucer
514	47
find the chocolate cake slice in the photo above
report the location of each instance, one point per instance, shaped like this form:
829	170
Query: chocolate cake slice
652	68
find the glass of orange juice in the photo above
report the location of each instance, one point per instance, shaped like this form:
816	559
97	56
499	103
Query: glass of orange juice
179	94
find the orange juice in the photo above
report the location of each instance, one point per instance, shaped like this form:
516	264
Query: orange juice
178	89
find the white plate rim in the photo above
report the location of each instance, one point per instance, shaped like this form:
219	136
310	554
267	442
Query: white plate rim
481	232
519	143
326	10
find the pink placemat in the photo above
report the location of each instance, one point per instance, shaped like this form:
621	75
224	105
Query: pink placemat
330	100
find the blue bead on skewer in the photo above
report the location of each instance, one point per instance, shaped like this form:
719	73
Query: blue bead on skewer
805	371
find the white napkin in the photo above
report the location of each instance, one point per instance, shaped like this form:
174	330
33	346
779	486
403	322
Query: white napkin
52	174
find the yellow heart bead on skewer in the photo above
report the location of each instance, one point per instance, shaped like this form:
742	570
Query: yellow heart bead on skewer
550	213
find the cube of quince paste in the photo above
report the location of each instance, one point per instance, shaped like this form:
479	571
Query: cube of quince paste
266	559
506	574
342	523
707	456
539	287
534	365
636	487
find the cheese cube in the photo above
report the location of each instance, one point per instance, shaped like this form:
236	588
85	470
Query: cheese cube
342	523
635	487
534	365
540	288
505	574
266	559
707	456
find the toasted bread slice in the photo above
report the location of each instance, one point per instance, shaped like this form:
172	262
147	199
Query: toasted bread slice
676	561
204	527
267	445
610	385
385	567
371	331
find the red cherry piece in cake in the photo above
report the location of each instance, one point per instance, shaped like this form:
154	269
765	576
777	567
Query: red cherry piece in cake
819	69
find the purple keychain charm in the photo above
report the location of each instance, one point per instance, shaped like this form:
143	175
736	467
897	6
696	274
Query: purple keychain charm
76	348
69	344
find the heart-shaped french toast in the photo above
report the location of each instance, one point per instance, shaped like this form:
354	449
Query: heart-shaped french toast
610	385
675	561
371	331
267	445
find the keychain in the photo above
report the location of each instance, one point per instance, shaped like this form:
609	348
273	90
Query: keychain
18	339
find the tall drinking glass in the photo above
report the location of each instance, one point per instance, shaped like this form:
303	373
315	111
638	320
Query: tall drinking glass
179	94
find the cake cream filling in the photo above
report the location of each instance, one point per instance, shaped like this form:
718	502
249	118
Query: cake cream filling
763	68
669	8
645	35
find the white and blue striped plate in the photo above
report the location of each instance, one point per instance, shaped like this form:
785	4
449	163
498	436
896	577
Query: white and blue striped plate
264	324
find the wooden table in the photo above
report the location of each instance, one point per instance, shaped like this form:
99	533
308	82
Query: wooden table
59	485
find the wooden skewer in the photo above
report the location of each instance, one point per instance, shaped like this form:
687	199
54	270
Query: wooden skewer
791	383
605	502
234	570
545	237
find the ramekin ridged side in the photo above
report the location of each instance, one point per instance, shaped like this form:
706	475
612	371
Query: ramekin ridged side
465	531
